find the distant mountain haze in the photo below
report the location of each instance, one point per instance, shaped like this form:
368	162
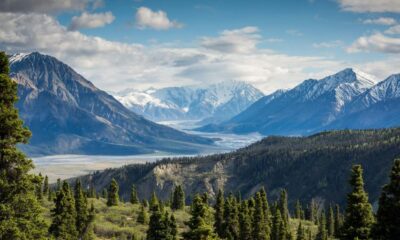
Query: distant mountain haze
347	99
68	114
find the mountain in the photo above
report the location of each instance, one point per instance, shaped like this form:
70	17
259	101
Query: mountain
210	104
378	107
314	167
68	114
310	107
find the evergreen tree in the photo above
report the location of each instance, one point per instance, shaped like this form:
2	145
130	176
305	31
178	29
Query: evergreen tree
331	222
244	222
104	193
143	217
298	210
134	196
231	218
301	235
63	224
266	211
158	226
358	218
154	201
388	215
219	214
113	197
46	186
178	198
173	228
283	207
199	224
20	213
81	207
338	221
39	185
278	232
259	231
322	232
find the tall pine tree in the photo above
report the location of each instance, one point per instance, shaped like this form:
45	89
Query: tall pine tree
20	216
81	207
219	214
134	195
63	224
258	224
46	186
388	215
112	196
178	198
358	216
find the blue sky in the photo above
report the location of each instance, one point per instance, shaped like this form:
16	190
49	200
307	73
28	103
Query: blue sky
270	43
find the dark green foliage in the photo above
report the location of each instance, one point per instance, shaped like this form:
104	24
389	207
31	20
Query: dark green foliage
322	232
358	217
199	225
46	186
81	207
244	222
298	210
283	207
219	214
388	215
19	210
113	197
338	221
63	224
143	217
104	193
158	224
278	231
301	235
39	187
231	218
331	222
134	196
259	231
178	198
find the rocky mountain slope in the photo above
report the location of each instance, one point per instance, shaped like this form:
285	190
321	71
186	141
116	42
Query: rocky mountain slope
211	104
348	99
68	114
314	167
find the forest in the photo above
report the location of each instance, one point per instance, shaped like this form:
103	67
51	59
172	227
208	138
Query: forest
32	209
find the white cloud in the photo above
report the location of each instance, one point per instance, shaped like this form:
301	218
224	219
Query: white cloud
376	42
381	21
233	41
88	20
330	44
47	6
393	30
146	18
370	5
115	66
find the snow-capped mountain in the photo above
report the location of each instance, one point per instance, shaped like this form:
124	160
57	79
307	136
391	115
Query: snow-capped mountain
212	103
68	114
312	106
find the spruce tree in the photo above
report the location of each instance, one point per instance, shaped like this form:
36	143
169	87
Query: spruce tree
158	228
258	224
338	221
388	215
266	211
81	207
322	232
39	187
219	214
178	198
231	218
63	224
298	210
277	226
244	222
20	216
301	235
143	217
134	196
172	228
358	217
46	186
283	207
331	222
199	222
113	197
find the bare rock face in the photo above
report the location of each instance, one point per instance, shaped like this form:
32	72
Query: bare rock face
68	114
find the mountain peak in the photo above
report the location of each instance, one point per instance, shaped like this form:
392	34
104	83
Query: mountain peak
349	75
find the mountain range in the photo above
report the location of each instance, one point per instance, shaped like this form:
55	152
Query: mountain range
67	114
348	99
212	103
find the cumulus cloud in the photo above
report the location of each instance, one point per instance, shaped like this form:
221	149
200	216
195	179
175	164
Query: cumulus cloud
381	21
47	6
88	20
233	41
393	30
146	18
370	5
330	44
115	66
376	42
